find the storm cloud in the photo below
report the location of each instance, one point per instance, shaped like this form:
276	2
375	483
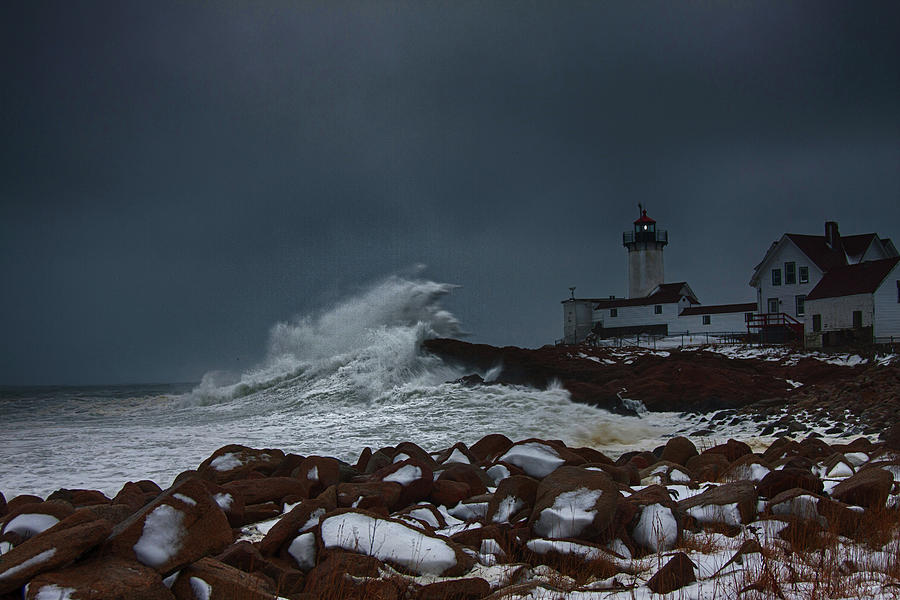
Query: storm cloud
177	177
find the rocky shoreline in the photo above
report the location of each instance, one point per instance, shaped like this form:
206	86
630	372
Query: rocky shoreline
498	519
769	386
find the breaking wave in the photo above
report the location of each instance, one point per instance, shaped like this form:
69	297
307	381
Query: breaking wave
364	346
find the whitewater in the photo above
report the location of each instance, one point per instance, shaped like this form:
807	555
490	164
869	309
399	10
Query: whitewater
331	384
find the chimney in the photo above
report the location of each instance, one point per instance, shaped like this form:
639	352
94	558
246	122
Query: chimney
832	236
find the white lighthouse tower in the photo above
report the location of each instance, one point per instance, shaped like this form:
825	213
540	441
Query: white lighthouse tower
645	245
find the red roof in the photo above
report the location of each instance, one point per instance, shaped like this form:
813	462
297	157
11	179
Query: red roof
861	278
644	218
815	247
718	309
666	293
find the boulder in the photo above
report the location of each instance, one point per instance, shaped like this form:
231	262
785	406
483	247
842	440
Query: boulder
513	496
749	467
392	541
665	473
301	518
678	450
449	493
891	436
235	462
381	496
457	453
470	588
268	489
181	526
423	516
657	524
796	504
210	578
79	498
51	549
106	578
784	479
406	450
347	575
137	494
414	476
731	450
868	488
576	503
321	472
675	574
730	504
27	520
490	447
707	467
471	475
536	458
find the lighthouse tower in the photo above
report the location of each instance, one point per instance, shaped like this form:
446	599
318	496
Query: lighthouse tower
645	245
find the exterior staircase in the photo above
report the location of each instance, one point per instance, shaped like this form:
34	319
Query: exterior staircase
775	327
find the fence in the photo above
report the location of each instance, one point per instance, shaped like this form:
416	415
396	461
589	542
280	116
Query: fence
676	340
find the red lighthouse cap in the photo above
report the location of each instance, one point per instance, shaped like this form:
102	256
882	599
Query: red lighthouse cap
644	218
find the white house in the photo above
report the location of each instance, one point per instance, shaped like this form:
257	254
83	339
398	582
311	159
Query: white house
857	303
796	263
716	318
656	313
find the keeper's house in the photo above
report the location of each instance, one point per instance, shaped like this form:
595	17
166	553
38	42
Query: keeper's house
855	304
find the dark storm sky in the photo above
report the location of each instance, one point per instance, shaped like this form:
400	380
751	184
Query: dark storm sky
176	177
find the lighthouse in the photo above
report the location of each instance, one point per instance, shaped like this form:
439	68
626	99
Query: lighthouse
645	245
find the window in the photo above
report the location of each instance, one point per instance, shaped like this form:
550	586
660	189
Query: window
773	305
801	304
817	322
857	319
706	319
790	273
776	276
804	274
614	312
657	310
747	317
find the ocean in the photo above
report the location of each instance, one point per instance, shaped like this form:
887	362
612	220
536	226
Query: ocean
331	384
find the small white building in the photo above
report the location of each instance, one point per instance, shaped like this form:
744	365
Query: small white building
656	313
858	303
730	318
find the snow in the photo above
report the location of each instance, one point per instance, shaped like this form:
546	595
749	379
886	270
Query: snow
469	511
424	514
802	507
30	524
857	458
570	514
5	547
313	520
536	459
657	528
313	474
54	592
716	513
388	541
509	506
752	472
401	457
201	589
405	475
303	550
226	462
223	500
490	546
27	564
498	473
186	499
457	456
161	537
